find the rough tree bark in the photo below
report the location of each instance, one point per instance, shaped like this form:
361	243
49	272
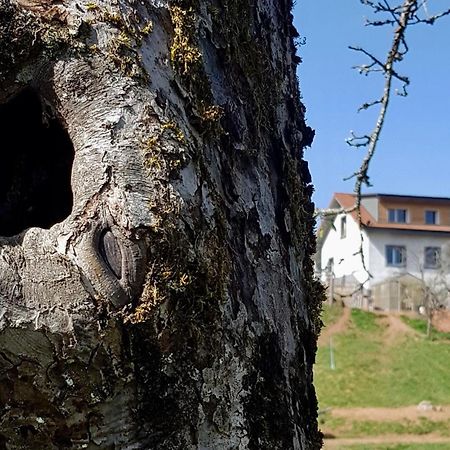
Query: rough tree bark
174	307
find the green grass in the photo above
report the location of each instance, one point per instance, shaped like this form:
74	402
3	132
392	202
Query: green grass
370	372
365	321
331	314
355	356
420	325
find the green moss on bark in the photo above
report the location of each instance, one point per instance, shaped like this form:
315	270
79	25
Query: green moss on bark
175	332
25	39
17	41
187	61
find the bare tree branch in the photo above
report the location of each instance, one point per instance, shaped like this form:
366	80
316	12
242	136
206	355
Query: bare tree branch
330	212
402	16
362	176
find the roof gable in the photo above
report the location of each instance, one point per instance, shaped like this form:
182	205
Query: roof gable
346	202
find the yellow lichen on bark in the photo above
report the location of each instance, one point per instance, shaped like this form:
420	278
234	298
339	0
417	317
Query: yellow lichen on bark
183	52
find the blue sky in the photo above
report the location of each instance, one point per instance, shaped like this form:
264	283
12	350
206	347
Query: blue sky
413	155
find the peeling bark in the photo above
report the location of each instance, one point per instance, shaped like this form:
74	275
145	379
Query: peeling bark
175	306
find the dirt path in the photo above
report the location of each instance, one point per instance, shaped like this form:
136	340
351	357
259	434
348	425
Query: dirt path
338	327
410	413
441	321
395	329
392	414
386	439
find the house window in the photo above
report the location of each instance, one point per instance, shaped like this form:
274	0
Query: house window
397	215
396	255
432	257
431	217
343	227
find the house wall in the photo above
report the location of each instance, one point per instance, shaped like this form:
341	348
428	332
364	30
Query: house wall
415	244
416	210
343	251
372	206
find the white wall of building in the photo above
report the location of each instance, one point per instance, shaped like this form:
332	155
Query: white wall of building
344	251
347	260
415	244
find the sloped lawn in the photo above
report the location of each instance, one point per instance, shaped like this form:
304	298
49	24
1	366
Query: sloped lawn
371	372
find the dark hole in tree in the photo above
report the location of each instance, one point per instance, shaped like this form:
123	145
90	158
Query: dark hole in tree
26	431
3	441
61	438
36	156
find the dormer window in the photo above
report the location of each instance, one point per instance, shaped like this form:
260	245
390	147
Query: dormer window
397	215
431	217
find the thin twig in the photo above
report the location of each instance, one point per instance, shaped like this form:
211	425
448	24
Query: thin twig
402	16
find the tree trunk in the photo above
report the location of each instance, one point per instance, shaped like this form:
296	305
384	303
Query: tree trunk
162	295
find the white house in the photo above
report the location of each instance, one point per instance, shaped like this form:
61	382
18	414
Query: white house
401	236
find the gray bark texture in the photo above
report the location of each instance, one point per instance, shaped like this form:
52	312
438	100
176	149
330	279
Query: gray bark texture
175	306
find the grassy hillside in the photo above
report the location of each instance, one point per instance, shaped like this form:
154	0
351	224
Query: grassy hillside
384	367
373	369
420	325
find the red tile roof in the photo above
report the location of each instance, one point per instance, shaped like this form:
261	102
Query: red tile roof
347	201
